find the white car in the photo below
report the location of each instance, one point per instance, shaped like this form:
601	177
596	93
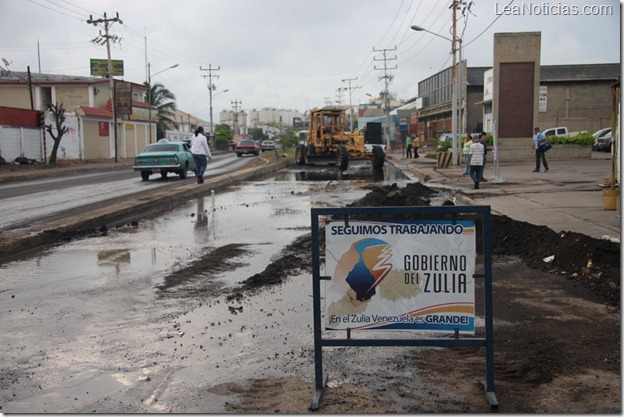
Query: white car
267	145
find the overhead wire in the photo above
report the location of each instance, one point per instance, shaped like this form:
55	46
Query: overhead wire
363	77
54	10
81	8
408	29
80	15
401	25
489	26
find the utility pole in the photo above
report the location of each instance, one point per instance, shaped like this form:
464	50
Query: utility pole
339	92
236	104
211	87
107	38
455	84
460	73
387	77
350	88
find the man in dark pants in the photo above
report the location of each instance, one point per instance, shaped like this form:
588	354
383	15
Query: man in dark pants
483	140
540	154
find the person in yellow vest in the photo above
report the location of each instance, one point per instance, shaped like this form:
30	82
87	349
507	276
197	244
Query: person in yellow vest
416	145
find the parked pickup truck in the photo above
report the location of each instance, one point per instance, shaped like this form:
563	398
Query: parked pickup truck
561	131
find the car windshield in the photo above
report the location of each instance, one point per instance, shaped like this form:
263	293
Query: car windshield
247	142
161	147
601	133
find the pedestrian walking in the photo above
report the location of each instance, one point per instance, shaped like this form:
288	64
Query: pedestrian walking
477	159
408	144
416	145
201	152
540	153
466	151
483	140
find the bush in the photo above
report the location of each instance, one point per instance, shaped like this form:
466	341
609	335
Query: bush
443	145
580	139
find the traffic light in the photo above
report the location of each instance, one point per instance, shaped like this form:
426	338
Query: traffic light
41	118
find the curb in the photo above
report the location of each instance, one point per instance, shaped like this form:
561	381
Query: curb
99	220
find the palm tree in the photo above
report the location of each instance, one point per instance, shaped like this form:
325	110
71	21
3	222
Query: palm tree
164	101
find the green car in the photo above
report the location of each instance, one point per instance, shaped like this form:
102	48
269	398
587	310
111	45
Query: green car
164	157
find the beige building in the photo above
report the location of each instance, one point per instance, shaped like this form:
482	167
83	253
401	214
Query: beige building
87	99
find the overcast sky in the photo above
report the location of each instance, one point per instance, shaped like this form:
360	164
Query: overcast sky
293	54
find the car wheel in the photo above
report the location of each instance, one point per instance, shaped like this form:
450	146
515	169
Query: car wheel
145	175
239	154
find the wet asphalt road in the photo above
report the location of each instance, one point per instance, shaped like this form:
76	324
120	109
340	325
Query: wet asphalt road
24	201
86	327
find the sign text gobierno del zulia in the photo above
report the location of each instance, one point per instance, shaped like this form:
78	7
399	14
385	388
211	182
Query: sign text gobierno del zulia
408	275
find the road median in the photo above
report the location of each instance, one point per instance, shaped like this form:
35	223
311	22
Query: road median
101	218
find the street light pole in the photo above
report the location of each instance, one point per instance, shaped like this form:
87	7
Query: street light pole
210	88
149	94
456	89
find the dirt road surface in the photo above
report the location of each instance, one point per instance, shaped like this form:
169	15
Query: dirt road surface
556	340
557	336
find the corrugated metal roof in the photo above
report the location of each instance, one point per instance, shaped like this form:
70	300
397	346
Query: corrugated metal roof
580	72
21	77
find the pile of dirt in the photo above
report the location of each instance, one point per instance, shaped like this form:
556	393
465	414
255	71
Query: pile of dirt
592	263
589	262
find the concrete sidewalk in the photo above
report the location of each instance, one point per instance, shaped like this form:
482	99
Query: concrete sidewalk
566	198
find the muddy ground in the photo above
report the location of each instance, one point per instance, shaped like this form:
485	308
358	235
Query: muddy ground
556	336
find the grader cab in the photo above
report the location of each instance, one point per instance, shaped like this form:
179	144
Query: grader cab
329	143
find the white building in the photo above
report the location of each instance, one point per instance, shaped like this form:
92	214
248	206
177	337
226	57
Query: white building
258	118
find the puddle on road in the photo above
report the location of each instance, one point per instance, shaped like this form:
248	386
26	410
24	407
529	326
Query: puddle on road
95	308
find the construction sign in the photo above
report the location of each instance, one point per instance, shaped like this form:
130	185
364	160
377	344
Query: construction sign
413	275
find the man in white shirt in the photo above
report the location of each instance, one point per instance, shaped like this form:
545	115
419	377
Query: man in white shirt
200	151
477	152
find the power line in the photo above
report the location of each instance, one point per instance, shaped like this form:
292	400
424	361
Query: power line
67	8
56	11
391	24
488	27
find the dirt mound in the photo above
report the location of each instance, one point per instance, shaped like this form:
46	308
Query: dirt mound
593	263
589	262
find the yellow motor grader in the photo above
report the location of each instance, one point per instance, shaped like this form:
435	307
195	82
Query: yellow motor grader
329	143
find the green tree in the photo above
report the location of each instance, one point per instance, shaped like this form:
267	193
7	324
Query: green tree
257	134
164	101
223	136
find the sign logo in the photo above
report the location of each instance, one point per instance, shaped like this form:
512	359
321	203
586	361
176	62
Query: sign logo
371	267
